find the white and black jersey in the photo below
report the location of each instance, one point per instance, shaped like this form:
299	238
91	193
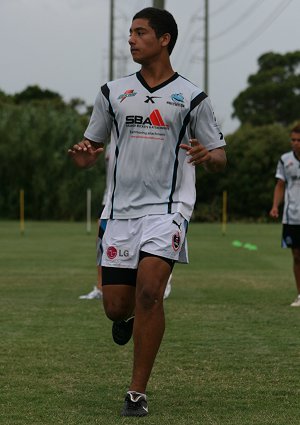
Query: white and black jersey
288	170
151	174
109	153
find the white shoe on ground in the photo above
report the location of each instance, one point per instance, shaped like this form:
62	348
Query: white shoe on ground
168	288
95	294
296	303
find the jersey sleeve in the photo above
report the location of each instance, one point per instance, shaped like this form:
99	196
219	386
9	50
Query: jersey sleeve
280	174
99	127
204	126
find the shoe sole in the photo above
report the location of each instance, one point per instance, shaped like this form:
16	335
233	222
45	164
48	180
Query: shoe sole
139	415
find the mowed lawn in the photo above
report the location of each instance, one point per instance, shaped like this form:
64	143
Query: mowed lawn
230	354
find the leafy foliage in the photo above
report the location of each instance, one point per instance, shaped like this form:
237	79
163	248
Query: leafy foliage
273	94
34	139
32	93
253	154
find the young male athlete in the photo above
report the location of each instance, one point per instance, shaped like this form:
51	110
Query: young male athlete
287	189
163	126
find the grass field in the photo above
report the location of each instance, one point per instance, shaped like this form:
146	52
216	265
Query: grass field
229	356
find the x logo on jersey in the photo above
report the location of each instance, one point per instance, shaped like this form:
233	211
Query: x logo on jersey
150	99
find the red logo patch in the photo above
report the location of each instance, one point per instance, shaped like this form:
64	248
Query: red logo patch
156	119
176	241
111	252
127	93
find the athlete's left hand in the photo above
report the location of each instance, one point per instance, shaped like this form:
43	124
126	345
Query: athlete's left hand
198	153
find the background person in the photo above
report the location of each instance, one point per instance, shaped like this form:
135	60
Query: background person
96	292
287	190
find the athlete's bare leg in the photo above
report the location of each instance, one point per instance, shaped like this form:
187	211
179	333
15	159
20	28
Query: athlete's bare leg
118	301
296	266
149	323
99	278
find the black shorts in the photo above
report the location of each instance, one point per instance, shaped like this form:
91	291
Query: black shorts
290	236
114	275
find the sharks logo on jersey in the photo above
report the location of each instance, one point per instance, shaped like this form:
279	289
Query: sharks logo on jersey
177	100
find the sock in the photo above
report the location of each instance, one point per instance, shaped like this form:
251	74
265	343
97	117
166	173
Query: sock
136	393
129	318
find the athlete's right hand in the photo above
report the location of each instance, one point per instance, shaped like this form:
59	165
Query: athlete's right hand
84	154
274	213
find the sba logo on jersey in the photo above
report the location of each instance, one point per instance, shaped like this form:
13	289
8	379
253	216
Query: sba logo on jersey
154	119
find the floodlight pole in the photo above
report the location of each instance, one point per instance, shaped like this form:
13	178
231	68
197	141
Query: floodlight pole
206	52
111	41
160	4
22	215
88	210
224	212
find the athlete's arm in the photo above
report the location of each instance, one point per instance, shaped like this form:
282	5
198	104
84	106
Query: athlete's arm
85	153
277	198
213	161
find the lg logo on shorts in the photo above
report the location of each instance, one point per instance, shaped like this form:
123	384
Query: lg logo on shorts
112	252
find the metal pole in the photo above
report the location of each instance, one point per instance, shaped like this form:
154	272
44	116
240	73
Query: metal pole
22	215
88	210
224	212
160	4
206	53
111	41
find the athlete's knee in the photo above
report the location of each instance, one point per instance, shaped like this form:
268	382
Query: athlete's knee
296	256
117	309
148	297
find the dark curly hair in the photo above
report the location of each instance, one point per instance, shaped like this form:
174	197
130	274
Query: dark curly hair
162	22
296	129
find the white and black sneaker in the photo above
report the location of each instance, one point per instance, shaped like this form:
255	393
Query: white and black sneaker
122	331
168	288
95	294
296	303
135	404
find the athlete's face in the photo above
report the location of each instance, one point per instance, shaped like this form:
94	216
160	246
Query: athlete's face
295	142
145	47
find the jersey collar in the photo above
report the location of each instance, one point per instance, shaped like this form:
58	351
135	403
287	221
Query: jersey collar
298	159
153	89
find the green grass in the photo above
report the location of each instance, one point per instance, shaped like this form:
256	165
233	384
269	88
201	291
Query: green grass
229	356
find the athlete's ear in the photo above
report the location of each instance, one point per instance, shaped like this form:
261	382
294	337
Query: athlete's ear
165	39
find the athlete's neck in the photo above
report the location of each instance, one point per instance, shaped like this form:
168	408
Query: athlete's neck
297	156
154	76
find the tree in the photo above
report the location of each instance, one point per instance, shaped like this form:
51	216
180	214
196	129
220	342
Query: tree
78	104
5	98
253	153
273	95
36	94
34	138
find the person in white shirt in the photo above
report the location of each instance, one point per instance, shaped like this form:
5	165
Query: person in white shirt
163	126
287	190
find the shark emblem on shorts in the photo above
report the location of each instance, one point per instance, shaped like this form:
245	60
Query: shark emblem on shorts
176	239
